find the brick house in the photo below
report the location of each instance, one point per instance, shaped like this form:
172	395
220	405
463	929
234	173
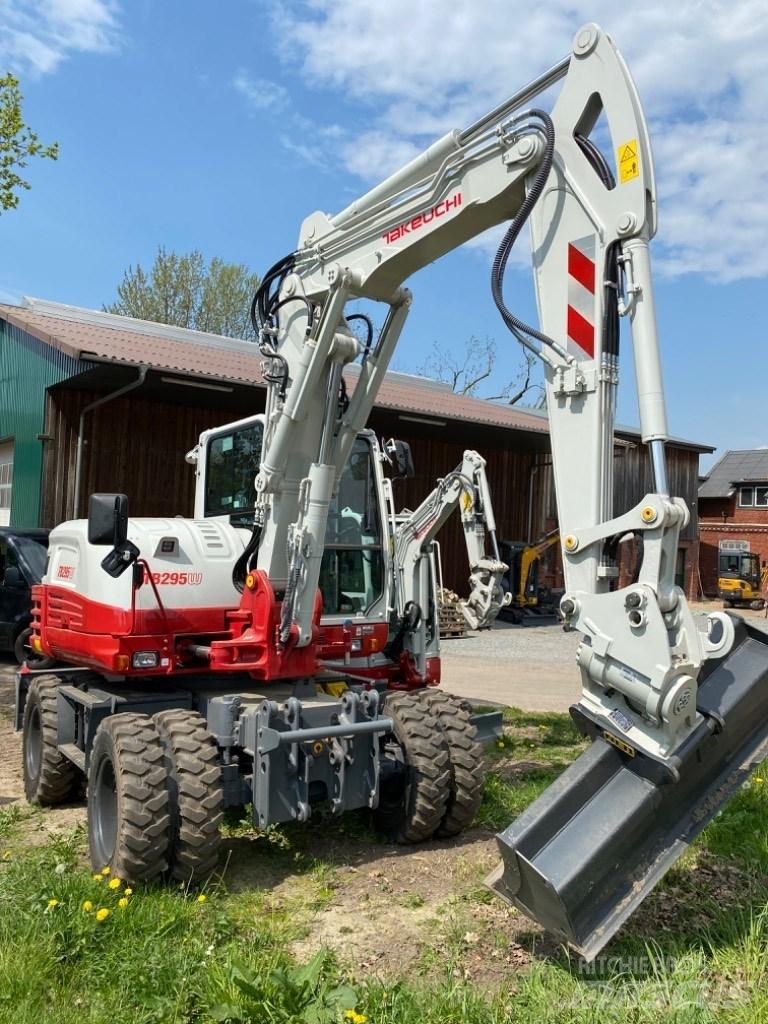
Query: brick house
733	511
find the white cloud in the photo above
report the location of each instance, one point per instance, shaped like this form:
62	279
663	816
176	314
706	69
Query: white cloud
700	66
261	93
35	37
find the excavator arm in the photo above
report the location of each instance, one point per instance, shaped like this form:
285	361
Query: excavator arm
466	488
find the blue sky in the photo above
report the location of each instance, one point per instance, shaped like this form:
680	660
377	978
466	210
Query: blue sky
221	126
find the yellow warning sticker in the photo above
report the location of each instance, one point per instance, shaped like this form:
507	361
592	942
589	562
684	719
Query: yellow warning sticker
616	742
629	161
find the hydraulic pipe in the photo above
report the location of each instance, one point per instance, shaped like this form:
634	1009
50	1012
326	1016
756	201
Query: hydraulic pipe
519	99
645	343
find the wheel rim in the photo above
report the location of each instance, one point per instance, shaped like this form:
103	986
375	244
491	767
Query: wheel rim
33	745
103	814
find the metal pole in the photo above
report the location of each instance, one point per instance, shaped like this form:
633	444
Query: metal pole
81	430
659	463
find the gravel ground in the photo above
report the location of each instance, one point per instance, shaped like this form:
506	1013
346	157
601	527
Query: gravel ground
544	643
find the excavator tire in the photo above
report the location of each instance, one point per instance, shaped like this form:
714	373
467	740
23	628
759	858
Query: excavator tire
413	809
49	777
129	820
195	791
467	763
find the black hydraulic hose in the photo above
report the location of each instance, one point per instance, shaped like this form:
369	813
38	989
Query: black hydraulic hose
297	298
408	624
516	326
611	275
369	332
264	306
244	563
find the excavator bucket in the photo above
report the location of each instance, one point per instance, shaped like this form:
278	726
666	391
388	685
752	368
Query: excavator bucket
584	856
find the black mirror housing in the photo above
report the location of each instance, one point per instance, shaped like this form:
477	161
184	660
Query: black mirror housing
108	519
400	458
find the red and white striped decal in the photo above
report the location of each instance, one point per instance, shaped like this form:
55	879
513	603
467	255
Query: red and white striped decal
580	325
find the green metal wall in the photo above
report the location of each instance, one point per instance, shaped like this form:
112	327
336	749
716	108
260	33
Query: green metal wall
27	367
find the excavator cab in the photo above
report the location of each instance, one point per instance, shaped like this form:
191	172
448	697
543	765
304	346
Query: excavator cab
353	572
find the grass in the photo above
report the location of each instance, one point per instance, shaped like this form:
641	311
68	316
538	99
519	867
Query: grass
696	952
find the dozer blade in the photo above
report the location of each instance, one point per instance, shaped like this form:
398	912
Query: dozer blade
583	857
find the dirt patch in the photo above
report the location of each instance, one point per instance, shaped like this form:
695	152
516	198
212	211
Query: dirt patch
418	911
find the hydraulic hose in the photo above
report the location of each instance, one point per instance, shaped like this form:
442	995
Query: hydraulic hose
516	326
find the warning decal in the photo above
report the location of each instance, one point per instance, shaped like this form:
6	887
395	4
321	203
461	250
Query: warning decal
629	161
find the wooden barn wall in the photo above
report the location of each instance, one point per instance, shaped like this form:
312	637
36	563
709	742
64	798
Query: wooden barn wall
138	447
508	475
632	480
133	446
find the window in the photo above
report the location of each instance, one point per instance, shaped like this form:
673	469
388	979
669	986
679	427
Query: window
233	462
680	569
352	571
753	497
6	481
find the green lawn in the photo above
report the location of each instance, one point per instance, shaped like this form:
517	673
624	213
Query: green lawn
697	951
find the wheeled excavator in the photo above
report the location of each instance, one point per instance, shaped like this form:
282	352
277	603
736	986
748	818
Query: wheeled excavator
168	671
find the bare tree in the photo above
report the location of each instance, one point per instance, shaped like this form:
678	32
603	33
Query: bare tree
465	372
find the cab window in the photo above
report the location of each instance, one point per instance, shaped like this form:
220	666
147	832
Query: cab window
232	464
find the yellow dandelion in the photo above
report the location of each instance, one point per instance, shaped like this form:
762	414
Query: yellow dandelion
102	914
97	878
115	883
105	871
53	903
202	898
360	1018
758	779
88	906
122	902
128	891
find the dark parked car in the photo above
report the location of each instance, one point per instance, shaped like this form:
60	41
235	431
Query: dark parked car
22	564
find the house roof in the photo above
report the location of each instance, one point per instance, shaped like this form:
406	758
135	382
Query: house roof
733	468
88	334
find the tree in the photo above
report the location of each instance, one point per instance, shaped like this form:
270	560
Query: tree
17	144
187	292
466	374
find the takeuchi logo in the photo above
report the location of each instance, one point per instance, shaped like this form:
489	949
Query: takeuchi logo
422	219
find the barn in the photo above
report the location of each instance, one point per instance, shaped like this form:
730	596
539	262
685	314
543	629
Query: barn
96	402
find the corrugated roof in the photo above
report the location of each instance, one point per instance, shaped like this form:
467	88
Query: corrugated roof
749	466
83	332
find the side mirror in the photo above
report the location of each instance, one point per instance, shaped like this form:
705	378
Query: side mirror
108	525
108	519
400	458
